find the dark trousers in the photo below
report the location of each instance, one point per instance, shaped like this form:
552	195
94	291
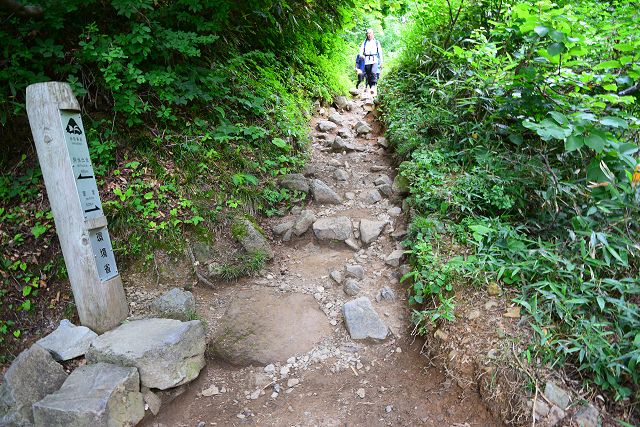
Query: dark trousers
372	78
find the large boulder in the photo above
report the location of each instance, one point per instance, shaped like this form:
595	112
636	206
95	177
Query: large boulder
362	321
251	237
175	304
68	341
370	230
31	376
322	193
98	395
167	352
261	327
333	228
295	181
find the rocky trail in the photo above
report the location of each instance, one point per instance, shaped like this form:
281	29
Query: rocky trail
323	337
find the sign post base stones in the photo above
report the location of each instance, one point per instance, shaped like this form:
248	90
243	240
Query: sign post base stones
61	143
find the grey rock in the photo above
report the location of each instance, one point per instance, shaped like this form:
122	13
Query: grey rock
386	294
400	185
382	180
31	376
555	416
353	243
261	327
354	270
341	102
395	211
287	235
351	106
322	193
333	228
336	118
354	92
394	258
295	181
557	395
385	190
343	133
588	416
175	304
349	195
281	229
94	395
541	409
370	196
153	401
370	230
351	287
336	276
310	169
362	128
303	222
339	144
326	126
251	238
341	175
378	168
167	352
296	210
362	321
399	234
382	141
68	341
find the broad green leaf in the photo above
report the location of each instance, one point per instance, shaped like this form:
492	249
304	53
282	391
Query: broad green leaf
559	117
607	64
541	30
557	36
615	122
595	141
573	142
555	49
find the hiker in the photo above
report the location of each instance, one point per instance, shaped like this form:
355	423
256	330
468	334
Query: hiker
372	54
360	69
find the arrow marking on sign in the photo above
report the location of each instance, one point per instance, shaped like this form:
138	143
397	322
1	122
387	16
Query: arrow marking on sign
92	209
84	176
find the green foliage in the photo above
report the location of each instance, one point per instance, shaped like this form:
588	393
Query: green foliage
519	145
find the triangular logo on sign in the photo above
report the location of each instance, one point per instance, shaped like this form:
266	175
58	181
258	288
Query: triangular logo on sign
72	127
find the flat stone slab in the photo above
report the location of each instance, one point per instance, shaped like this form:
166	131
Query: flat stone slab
333	228
68	341
31	376
93	395
362	321
167	352
263	326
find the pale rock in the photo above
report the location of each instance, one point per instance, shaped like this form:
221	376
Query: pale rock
354	270
167	352
295	181
370	230
394	258
333	228
362	321
323	194
303	222
68	341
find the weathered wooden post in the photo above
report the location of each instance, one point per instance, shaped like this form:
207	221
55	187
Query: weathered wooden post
54	116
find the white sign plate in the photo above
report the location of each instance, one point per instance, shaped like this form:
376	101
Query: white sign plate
103	253
86	186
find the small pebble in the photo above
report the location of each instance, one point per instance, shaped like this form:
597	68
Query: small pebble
360	392
388	409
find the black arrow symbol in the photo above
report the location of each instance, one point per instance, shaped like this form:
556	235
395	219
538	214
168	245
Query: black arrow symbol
92	209
84	176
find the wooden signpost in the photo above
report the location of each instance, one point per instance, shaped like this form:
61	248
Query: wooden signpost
61	143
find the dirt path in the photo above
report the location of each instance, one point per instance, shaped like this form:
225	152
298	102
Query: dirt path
338	381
